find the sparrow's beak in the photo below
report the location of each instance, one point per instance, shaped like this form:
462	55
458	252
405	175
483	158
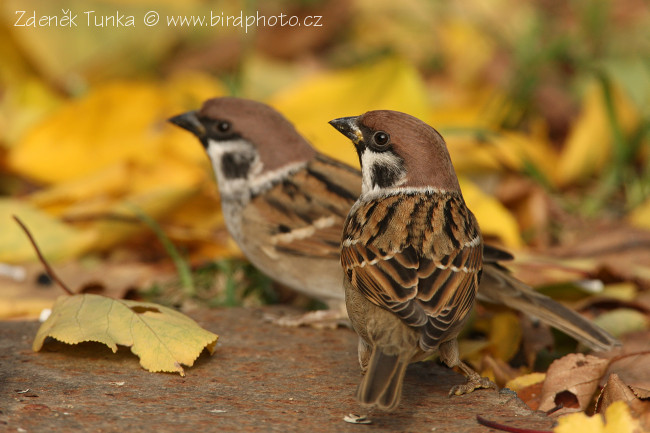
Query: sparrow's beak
191	122
348	127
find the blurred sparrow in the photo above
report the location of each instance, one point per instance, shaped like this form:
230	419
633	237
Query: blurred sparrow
284	204
412	254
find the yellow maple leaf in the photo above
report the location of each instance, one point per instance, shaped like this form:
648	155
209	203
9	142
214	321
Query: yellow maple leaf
162	338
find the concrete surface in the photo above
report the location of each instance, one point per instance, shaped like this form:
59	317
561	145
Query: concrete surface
261	378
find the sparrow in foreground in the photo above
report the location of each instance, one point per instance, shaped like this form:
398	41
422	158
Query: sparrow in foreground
285	204
412	254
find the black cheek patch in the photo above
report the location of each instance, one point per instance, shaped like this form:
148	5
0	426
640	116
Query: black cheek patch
236	165
383	176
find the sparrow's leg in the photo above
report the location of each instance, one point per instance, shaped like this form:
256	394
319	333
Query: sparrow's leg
364	351
449	355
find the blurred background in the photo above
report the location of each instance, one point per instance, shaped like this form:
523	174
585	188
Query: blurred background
545	106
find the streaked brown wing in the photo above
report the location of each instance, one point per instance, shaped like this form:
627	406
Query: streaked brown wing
427	273
304	215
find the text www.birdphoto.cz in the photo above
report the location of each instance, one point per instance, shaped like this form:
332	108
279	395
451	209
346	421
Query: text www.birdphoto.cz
153	18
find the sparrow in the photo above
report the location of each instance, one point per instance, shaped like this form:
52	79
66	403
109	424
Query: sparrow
412	254
284	204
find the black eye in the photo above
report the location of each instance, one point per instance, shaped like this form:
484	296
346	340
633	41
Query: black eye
381	138
223	126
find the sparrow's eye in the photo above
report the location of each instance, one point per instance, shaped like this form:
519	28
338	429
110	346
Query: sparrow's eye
223	126
381	138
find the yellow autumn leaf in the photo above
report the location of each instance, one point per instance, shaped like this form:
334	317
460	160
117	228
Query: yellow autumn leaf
56	240
504	335
99	45
466	49
589	144
162	338
493	218
118	153
25	101
156	204
380	24
500	151
389	84
524	381
617	420
640	216
117	122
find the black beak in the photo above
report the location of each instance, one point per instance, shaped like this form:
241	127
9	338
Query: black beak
348	126
191	122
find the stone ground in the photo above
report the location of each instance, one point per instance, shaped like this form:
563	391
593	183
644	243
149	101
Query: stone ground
261	378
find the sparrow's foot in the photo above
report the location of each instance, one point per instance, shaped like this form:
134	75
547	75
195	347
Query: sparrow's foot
473	383
320	319
449	354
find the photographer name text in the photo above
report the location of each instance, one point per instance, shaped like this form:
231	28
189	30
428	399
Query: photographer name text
68	19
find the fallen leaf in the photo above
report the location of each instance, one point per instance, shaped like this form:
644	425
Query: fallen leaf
62	53
114	123
572	381
526	380
391	83
630	362
56	240
120	154
536	337
498	370
617	420
640	216
622	321
614	390
27	297
505	335
493	218
589	144
528	388
162	338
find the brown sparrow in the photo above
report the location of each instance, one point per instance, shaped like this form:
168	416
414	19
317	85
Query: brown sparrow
284	204
412	254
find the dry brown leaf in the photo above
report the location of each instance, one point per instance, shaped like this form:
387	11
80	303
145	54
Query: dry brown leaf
572	381
528	388
536	336
615	389
631	363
